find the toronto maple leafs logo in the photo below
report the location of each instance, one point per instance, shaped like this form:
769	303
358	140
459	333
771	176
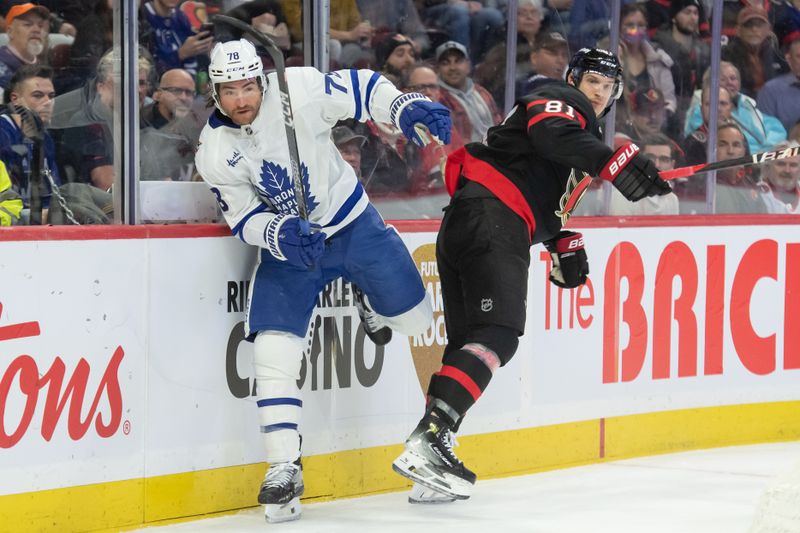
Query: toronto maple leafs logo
276	187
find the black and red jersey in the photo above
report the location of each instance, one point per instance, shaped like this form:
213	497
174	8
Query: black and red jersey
540	159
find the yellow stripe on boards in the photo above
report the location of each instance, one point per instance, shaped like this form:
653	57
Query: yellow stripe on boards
84	508
707	427
179	497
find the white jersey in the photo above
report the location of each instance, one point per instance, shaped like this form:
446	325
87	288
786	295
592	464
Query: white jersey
248	167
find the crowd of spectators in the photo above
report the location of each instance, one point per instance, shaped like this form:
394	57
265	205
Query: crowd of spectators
58	77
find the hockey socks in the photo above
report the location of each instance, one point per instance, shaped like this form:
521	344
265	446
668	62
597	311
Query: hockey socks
464	375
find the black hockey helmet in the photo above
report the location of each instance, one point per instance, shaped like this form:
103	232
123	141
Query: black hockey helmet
598	61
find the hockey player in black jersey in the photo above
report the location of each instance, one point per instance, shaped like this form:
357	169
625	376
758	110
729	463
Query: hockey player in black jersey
516	189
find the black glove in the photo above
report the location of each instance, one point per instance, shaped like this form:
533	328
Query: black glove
633	174
570	265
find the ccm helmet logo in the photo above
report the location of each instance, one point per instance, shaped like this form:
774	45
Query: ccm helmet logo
623	158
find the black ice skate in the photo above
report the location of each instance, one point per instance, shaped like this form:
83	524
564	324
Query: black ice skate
429	460
380	335
281	490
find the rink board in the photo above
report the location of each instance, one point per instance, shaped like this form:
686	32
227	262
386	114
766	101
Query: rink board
125	381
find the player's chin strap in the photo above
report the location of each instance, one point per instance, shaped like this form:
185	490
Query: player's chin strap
755	159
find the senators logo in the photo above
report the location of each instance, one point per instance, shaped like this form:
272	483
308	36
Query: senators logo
572	196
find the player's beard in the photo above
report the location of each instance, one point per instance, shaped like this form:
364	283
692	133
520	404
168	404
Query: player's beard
35	47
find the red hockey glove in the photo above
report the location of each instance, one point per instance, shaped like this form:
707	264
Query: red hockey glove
633	174
570	265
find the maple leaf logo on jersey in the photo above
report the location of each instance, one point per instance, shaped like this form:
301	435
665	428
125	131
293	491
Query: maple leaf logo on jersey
276	187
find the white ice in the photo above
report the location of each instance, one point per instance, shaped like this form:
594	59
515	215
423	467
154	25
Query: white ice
707	491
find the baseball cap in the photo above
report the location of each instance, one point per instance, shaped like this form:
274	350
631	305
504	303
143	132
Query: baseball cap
23	9
552	40
343	134
749	13
647	99
450	45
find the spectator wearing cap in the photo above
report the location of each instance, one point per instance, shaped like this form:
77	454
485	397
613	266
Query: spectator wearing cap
548	58
27	28
472	107
754	50
394	55
663	152
690	54
167	33
646	114
780	96
349	145
762	131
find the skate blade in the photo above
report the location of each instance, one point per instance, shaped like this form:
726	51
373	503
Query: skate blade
421	494
275	513
407	466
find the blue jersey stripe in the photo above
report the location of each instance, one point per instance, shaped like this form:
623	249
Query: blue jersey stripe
371	85
276	427
267	402
237	229
356	92
348	205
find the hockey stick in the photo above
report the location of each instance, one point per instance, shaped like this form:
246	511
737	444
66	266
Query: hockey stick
755	159
286	102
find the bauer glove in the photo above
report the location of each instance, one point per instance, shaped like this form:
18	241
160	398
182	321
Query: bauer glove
633	174
287	242
570	265
411	110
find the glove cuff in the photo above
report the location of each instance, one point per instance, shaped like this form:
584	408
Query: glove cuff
401	102
271	232
565	242
619	160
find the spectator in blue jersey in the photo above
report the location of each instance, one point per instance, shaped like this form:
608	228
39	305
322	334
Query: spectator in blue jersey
168	35
26	26
30	90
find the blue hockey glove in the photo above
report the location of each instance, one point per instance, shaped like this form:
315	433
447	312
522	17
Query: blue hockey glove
413	109
287	241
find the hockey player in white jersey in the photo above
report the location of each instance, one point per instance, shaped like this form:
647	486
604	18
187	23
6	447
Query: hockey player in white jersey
244	156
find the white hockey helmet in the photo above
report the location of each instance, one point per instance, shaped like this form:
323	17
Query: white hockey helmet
234	61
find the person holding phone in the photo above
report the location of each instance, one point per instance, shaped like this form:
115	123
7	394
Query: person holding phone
167	33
